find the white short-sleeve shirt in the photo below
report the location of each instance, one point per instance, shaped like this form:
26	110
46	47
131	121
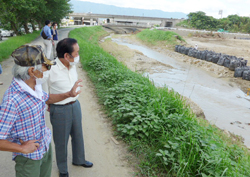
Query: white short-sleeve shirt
61	80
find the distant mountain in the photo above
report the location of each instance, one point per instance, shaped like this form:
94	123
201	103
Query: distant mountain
84	7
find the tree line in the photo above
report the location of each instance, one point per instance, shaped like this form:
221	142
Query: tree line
232	23
16	14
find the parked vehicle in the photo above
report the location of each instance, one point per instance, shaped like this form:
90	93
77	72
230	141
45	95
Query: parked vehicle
30	30
23	30
7	33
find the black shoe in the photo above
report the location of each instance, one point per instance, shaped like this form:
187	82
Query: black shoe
64	175
87	164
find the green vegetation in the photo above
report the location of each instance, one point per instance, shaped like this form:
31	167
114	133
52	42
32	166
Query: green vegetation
154	36
18	13
232	23
164	133
8	46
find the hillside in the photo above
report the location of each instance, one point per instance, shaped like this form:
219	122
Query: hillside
84	7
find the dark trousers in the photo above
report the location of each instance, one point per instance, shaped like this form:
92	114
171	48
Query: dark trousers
67	120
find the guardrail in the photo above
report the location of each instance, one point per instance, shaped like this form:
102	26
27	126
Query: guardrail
201	31
127	24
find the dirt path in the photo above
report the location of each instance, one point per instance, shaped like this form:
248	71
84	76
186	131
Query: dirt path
110	160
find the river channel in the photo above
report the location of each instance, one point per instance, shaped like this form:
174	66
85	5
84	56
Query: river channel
224	104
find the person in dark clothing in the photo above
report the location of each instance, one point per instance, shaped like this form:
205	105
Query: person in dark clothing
1	83
54	33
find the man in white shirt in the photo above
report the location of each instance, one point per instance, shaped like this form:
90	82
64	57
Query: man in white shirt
48	41
196	46
66	116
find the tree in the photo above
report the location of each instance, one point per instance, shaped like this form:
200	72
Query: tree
199	20
233	23
56	10
19	13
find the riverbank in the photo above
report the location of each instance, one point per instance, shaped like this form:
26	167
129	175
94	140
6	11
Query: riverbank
160	129
136	61
234	47
232	122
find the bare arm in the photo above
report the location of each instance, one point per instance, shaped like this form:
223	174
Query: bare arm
53	98
25	147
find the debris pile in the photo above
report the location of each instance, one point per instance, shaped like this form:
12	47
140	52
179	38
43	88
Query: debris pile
238	65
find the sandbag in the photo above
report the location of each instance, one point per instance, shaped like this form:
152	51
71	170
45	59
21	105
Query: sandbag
203	54
238	72
187	50
176	48
179	49
246	75
221	60
243	62
209	56
195	53
234	63
216	57
191	52
198	54
183	49
227	61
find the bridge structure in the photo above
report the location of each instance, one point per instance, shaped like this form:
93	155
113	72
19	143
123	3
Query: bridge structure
106	19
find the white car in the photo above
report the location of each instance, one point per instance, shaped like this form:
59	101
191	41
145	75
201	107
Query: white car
7	33
22	30
30	30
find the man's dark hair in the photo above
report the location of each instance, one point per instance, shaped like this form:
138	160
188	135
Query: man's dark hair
65	46
53	24
47	22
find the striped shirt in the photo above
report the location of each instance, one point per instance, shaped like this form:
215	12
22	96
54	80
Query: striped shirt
22	116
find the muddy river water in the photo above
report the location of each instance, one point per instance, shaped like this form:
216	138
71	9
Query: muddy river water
223	104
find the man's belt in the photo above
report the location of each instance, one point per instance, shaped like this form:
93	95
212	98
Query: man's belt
72	102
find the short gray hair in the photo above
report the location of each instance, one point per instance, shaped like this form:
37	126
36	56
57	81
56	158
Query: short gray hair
21	72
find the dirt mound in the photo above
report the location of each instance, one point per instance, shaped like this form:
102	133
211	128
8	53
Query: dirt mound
207	35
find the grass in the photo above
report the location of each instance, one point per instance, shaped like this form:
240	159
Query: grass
160	129
8	46
154	36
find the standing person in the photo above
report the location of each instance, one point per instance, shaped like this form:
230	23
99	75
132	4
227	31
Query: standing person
1	70
47	39
66	116
54	33
196	46
22	113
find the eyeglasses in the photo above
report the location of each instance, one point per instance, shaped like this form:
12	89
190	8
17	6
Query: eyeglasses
48	66
70	55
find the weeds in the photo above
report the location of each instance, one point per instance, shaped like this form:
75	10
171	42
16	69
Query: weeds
154	36
160	129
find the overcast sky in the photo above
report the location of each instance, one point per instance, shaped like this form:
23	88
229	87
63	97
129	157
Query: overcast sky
210	7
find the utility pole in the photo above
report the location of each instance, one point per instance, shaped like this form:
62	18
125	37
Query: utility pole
220	13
